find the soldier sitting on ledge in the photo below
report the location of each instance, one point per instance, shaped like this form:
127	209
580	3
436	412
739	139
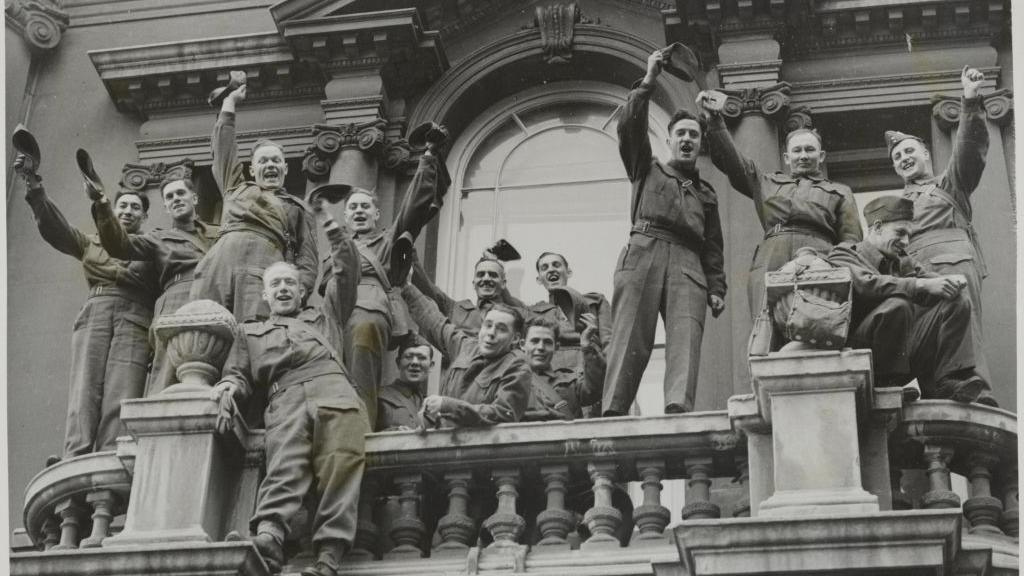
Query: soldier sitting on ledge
917	323
488	382
398	404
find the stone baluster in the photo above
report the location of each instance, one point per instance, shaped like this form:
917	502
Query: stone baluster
457	528
1011	503
982	509
408	530
699	495
51	533
900	500
367	533
505	525
742	507
103	503
555	522
70	521
603	519
651	517
939	494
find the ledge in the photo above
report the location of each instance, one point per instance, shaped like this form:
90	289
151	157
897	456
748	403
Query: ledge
967	428
179	559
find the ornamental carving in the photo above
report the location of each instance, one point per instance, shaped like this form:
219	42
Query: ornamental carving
398	155
771	101
799	119
328	141
557	24
143	177
998	107
41	22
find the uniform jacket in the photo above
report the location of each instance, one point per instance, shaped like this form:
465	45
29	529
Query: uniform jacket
571	326
561	393
478	391
279	217
398	405
681	204
876	278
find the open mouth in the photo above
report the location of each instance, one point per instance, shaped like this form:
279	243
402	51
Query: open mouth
907	165
686	149
553	277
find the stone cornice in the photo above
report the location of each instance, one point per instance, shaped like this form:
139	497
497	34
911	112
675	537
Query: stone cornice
41	22
104	13
294	139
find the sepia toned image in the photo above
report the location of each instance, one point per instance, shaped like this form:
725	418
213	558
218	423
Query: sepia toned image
605	287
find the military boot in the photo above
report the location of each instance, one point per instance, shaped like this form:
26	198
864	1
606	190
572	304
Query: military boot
268	546
328	558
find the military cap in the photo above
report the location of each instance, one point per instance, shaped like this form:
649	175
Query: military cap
894	137
889	209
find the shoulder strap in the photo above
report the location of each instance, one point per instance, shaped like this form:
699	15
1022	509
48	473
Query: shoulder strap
378	268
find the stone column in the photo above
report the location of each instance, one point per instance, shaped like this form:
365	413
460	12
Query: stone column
408	530
103	503
699	505
603	519
742	507
505	525
457	528
51	530
1011	503
939	495
70	521
651	517
555	522
982	509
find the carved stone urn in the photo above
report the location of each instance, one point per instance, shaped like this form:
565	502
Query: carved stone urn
198	337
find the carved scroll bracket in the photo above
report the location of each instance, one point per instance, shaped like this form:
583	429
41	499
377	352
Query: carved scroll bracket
41	22
329	141
557	23
145	177
998	107
771	101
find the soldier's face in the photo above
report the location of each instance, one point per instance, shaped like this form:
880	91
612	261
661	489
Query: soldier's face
179	201
497	334
553	272
414	364
268	167
539	347
361	213
803	154
129	212
282	290
684	142
911	160
891	238
488	280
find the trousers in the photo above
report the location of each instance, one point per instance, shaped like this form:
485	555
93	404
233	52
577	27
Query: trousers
231	274
367	336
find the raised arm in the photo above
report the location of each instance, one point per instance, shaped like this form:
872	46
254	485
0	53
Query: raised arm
970	145
422	282
52	225
591	381
509	405
305	253
423	197
227	170
342	288
634	142
434	326
743	173
118	243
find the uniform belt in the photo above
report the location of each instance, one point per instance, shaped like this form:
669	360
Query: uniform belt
648	228
137	296
177	279
797	229
272	238
303	374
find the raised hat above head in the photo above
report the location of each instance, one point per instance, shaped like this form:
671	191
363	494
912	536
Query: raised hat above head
888	209
894	137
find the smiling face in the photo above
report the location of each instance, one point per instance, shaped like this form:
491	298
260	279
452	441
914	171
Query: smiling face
130	212
282	289
539	347
179	200
684	142
497	334
488	279
890	238
553	271
803	154
414	364
268	167
911	160
361	213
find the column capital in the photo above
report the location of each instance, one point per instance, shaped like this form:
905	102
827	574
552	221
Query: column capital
146	177
770	101
799	118
329	140
998	107
41	22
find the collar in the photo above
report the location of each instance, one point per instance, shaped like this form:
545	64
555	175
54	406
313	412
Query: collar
406	389
371	238
873	255
681	175
787	177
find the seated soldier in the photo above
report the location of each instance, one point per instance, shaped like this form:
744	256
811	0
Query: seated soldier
315	421
487	382
398	405
561	393
917	324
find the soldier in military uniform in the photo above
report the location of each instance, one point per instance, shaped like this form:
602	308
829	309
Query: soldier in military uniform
802	208
942	237
488	382
916	322
398	405
261	223
314	418
561	393
673	263
109	348
174	251
489	285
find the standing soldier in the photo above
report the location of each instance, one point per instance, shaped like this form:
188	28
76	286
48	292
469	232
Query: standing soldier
802	208
175	252
109	349
260	223
673	264
942	237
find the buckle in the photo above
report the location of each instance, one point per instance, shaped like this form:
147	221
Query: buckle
274	389
776	229
643	225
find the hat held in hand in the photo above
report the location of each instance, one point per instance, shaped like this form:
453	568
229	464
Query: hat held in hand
428	133
332	193
87	169
25	143
502	250
217	96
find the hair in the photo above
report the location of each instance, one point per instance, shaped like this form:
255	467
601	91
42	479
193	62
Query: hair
798	131
491	260
517	317
543	254
544	322
141	196
372	194
413	341
683	114
172	179
266	142
282	264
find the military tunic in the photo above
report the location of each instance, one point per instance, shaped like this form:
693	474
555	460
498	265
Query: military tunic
672	263
795	211
562	393
257	228
109	349
571	325
943	238
911	334
175	252
477	391
315	420
398	405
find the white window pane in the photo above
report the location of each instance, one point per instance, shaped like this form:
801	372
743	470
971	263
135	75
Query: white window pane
565	154
482	171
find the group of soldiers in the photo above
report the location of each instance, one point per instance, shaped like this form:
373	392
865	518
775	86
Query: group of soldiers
315	372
